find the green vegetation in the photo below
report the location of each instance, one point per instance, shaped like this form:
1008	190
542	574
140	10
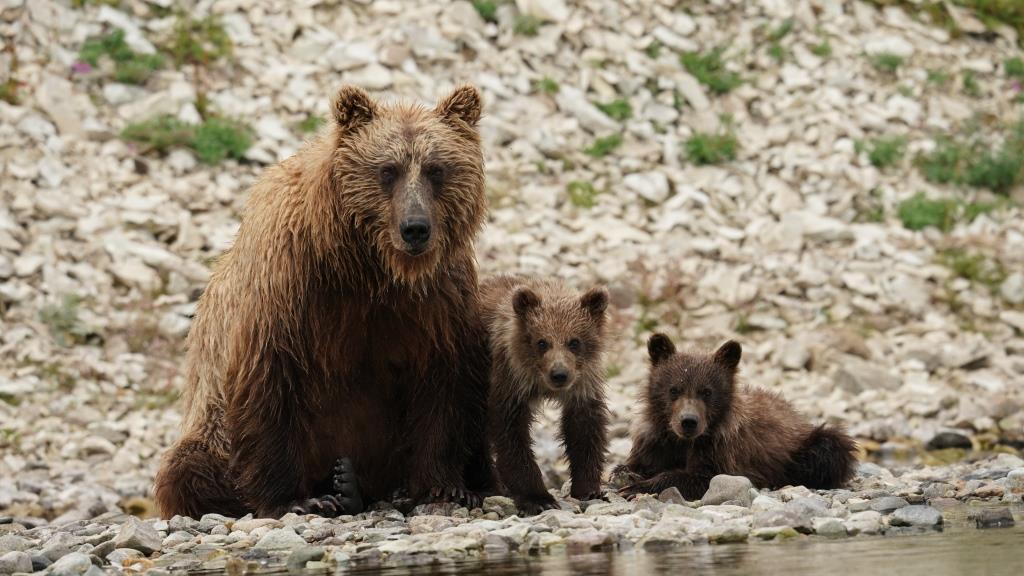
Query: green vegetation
216	139
971	86
618	109
775	49
709	69
1014	68
311	124
703	148
976	268
487	9
973	163
526	25
991	12
885	151
582	194
823	49
604	146
918	213
653	49
129	66
198	42
62	321
938	77
547	86
887	63
9	91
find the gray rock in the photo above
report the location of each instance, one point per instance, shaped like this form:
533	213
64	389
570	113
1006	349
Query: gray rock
502	505
887	504
828	527
298	558
866	522
40	562
281	539
856	376
916	515
13	543
15	561
118	556
949	439
60	545
993	518
71	565
725	488
138	535
803	510
671	495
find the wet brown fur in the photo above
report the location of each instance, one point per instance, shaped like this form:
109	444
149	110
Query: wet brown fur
319	336
520	312
741	430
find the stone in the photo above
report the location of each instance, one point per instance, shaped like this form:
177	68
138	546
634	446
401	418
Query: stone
949	439
298	558
916	515
15	561
671	495
280	539
13	543
993	518
1012	289
503	505
724	488
888	504
828	527
794	355
856	376
71	565
866	522
118	556
651	186
138	535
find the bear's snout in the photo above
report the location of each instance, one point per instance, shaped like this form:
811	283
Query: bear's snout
416	234
559	376
689	422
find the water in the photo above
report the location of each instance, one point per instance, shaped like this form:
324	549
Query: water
960	549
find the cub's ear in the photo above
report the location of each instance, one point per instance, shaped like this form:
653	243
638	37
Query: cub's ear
595	301
352	108
660	347
524	300
463	103
728	354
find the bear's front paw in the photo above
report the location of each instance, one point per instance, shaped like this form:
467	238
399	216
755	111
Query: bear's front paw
456	494
346	487
533	504
630	491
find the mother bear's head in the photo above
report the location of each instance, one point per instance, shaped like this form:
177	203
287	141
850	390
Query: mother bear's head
411	178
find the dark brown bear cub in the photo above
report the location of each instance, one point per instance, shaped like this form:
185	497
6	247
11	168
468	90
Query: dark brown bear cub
546	342
698	422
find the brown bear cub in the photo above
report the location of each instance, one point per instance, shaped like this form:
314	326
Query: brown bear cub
698	422
546	342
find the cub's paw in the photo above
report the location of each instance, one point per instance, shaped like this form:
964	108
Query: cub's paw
622	476
346	487
630	491
456	494
534	504
328	506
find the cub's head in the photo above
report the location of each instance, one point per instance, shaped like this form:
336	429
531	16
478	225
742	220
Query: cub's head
412	178
559	337
691	391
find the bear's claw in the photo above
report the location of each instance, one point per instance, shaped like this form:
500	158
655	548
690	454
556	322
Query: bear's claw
345	500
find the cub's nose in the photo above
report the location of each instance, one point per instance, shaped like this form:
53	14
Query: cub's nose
689	423
559	376
415	232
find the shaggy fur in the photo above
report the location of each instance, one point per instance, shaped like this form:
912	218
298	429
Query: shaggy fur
323	334
698	423
546	343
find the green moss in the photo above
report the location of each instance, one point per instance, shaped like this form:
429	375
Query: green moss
972	210
548	86
216	139
159	134
775	49
958	161
130	67
311	124
823	49
526	25
887	63
704	148
604	146
1014	68
886	151
487	9
653	49
938	77
918	213
976	268
971	86
9	91
198	42
709	69
582	194
618	109
942	164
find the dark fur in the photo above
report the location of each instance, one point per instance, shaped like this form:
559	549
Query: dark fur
322	335
738	430
520	313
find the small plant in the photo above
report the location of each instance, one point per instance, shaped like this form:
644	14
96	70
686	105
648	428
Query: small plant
216	139
709	69
547	85
9	91
972	210
159	134
918	213
130	67
617	109
582	194
942	164
971	86
887	63
996	170
886	151
653	49
1014	68
976	268
526	25
198	42
311	124
604	146
822	49
62	321
775	49
703	148
938	77
487	9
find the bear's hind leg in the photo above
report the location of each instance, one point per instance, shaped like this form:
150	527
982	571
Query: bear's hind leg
826	459
192	481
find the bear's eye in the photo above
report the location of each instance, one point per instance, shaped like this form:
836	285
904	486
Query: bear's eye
674	392
573	345
543	345
705	392
388	175
435	174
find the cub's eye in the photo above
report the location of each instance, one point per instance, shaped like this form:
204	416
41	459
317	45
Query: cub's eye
543	345
388	175
705	392
574	345
674	392
434	173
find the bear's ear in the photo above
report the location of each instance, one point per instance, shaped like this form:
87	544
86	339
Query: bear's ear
352	108
595	301
463	103
524	300
660	347
728	355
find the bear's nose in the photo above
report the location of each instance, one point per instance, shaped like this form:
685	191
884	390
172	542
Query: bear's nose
689	423
559	376
415	232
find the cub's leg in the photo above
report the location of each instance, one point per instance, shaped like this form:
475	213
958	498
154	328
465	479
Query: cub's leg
584	433
509	422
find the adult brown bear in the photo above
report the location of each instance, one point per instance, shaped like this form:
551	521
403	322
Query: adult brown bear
343	323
